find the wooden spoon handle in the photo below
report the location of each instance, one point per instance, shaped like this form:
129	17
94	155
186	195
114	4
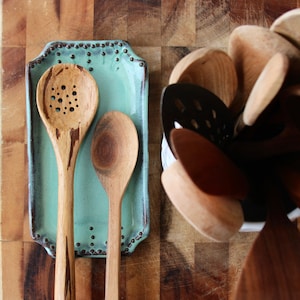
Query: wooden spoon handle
113	259
285	142
65	258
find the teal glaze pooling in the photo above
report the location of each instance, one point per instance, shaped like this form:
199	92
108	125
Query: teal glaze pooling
122	78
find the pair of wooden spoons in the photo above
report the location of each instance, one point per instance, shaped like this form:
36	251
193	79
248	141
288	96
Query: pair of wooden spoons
67	100
250	48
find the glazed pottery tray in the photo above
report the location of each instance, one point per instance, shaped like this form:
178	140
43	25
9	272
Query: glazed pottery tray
122	78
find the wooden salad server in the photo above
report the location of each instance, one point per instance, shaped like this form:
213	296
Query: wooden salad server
67	100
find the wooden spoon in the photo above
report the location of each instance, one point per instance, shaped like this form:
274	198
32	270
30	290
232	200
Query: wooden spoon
287	25
67	100
286	136
216	217
209	68
250	48
264	90
204	185
114	152
208	166
272	267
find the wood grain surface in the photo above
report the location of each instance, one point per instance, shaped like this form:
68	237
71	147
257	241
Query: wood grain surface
174	262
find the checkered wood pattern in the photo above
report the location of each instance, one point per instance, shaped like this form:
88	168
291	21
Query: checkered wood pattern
175	262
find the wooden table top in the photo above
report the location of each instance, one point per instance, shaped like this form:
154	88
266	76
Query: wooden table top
174	262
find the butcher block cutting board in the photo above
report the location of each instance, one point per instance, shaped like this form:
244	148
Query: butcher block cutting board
174	262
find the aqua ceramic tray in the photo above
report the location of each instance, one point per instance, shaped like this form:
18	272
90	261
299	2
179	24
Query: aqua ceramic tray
122	78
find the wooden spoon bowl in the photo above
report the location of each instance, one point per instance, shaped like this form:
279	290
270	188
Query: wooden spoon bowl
287	25
250	48
208	166
209	68
216	217
266	87
205	186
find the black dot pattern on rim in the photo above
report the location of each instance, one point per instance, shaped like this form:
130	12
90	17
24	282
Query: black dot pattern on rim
70	52
87	55
92	247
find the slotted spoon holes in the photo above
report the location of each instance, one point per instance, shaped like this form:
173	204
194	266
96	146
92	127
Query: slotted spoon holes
217	126
205	121
197	109
64	99
67	96
185	112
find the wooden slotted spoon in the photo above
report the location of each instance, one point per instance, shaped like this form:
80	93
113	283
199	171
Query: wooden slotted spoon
67	100
114	153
